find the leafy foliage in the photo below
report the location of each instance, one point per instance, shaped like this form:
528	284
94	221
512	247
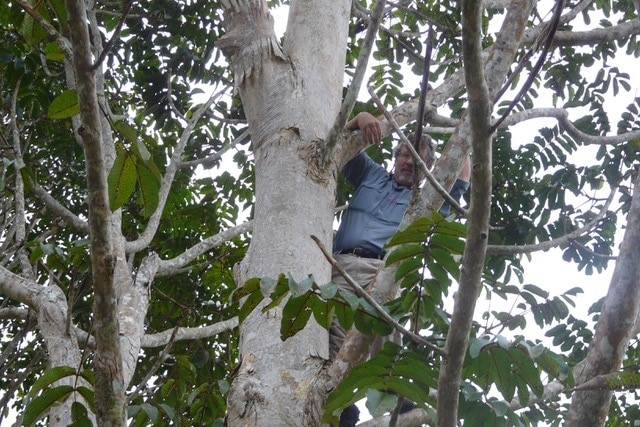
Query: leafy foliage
160	69
393	371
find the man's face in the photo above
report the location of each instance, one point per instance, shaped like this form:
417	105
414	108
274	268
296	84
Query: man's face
403	166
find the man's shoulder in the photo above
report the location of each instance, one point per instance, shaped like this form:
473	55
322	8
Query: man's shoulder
363	164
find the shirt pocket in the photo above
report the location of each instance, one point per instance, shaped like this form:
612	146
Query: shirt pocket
392	209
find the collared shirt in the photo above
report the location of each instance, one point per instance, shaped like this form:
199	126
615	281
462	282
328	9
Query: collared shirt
377	207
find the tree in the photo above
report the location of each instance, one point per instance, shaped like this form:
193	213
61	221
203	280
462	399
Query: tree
129	277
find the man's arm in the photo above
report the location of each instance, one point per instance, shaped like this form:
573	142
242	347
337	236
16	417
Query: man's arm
368	126
459	187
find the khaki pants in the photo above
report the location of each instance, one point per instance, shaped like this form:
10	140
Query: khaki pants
363	271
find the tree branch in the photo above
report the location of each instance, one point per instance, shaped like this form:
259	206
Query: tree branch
358	77
543	246
166	267
18	288
18	193
167	180
417	339
58	209
183	333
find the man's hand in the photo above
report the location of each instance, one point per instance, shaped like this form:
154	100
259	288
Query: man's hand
368	125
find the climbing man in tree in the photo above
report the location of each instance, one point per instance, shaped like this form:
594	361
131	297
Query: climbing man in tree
373	216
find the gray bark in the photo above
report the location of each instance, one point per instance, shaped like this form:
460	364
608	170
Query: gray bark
615	326
290	102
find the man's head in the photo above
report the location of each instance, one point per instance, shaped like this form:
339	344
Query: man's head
403	165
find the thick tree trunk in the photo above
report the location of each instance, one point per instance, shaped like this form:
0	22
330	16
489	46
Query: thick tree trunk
291	100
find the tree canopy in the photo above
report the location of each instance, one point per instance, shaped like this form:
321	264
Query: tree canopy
136	206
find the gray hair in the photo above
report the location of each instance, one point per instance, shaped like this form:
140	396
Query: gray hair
426	143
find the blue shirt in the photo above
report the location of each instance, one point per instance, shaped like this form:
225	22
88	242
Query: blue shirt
377	207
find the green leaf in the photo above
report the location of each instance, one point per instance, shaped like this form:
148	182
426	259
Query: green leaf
148	178
151	411
408	266
296	314
379	403
87	374
88	395
267	285
476	345
328	290
527	369
252	301
536	290
31	30
49	377
453	244
344	313
130	135
64	105
53	52
250	286
60	10
298	289
122	178
322	312
446	261
280	290
39	406
504	380
79	416
404	252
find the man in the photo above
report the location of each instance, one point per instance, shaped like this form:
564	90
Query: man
373	216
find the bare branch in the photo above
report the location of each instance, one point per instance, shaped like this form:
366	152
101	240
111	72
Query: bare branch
58	209
18	193
181	334
562	116
356	83
168	266
15	313
598	35
167	180
18	288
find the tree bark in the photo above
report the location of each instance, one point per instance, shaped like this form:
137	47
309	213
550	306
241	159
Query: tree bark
614	329
291	102
110	402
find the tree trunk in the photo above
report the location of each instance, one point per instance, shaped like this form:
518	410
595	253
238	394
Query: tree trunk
616	324
291	100
110	402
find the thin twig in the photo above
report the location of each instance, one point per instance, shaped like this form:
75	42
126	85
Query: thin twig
156	365
432	180
369	299
114	36
354	88
553	26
